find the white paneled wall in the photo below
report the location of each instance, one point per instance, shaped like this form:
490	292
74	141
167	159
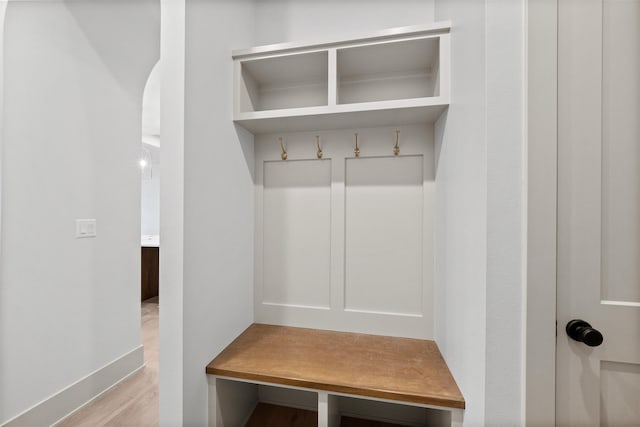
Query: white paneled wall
384	239
297	233
345	242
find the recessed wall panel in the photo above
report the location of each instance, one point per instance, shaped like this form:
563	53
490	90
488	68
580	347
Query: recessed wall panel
619	394
621	151
384	205
297	233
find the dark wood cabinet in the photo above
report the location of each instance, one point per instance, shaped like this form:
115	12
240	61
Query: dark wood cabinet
150	272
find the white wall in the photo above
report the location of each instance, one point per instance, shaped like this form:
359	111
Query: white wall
479	267
150	206
151	106
172	35
218	196
278	21
505	210
72	114
461	207
150	143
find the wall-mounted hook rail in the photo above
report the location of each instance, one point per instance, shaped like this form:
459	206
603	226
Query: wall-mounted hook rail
319	152
396	147
356	152
283	156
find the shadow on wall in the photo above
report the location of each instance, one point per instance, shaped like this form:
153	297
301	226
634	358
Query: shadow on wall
98	24
246	144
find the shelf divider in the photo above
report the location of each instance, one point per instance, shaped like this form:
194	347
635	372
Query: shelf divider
328	411
333	77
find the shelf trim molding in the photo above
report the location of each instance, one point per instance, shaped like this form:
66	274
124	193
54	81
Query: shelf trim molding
433	101
442	27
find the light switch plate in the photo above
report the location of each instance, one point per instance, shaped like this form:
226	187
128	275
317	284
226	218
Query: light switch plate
85	228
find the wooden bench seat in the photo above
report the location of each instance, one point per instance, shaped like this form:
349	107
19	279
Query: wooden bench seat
380	367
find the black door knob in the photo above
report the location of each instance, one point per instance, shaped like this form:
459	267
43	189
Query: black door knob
580	330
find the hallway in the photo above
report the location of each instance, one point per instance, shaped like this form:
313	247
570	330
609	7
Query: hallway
133	402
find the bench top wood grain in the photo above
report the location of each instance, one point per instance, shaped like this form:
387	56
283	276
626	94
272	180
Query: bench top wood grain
383	367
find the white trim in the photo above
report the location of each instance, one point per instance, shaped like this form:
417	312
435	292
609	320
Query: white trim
525	215
64	403
383	313
3	11
541	212
390	33
335	393
621	303
308	307
172	117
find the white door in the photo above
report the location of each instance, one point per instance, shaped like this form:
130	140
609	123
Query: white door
599	210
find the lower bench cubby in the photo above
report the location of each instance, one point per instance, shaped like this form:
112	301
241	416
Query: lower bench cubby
357	412
259	405
246	404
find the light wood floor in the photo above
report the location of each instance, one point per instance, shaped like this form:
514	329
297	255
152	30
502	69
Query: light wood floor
133	402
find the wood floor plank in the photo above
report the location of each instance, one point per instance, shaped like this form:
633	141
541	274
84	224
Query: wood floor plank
133	402
267	415
359	422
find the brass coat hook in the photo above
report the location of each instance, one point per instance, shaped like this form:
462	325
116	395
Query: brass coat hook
356	152
396	148
319	152
283	156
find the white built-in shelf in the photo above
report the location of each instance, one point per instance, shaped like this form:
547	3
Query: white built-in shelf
394	77
287	82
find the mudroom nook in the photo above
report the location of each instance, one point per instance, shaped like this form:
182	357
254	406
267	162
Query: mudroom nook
344	236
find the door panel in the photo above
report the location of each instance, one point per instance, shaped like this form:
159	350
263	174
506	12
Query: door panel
620	394
599	209
621	150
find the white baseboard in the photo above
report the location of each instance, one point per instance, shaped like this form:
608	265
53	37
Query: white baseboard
68	400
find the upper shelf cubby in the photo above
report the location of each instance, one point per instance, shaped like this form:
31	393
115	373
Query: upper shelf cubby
387	71
291	81
394	77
